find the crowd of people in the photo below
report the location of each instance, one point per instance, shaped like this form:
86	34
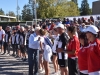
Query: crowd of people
72	46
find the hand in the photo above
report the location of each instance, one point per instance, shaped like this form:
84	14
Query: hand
59	50
42	50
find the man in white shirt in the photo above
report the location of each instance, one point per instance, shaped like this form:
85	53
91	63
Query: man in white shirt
34	45
2	34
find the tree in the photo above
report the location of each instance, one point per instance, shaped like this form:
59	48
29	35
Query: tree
75	1
56	8
85	9
11	13
72	10
1	11
26	13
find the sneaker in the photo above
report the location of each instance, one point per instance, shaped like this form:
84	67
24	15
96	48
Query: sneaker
13	54
17	56
40	70
55	73
3	54
8	55
24	59
43	71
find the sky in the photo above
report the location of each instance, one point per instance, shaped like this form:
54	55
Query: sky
11	5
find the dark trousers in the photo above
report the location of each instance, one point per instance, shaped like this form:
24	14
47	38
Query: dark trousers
15	48
72	66
33	61
6	47
83	74
27	48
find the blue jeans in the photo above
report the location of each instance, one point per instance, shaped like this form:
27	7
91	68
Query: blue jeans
33	61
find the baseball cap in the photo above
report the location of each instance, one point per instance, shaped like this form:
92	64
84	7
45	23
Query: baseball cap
93	29
60	25
14	29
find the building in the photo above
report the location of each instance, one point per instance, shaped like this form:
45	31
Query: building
4	18
96	7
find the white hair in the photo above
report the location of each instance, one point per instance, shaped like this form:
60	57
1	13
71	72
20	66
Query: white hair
22	28
37	28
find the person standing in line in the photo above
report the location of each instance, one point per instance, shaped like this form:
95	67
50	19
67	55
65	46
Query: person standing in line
6	40
2	34
55	36
83	55
34	45
27	32
93	50
72	50
18	53
46	46
41	65
13	41
62	56
22	43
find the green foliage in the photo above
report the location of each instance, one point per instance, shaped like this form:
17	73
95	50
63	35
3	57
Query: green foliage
75	1
1	12
56	8
85	9
26	13
11	13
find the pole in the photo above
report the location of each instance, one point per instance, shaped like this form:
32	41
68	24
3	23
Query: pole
35	10
17	12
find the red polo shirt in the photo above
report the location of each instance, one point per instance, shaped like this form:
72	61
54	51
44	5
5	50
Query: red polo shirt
94	56
82	58
74	44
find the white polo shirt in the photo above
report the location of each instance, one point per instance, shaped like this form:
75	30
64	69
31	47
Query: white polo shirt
1	33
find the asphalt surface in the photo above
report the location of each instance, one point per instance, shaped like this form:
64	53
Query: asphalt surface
10	65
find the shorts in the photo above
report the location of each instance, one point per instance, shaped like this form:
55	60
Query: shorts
1	43
54	53
23	49
63	63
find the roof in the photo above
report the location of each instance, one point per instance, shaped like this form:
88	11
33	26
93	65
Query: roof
8	16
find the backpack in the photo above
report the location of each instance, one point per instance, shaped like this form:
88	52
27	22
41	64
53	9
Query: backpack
48	42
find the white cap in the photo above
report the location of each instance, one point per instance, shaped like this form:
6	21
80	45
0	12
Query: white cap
60	25
93	29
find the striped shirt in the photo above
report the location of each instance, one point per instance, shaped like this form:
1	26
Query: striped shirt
63	41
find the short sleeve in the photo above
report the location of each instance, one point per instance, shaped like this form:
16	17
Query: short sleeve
42	39
3	32
76	46
65	39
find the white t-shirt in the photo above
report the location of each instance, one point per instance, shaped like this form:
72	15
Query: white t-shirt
1	33
55	43
42	41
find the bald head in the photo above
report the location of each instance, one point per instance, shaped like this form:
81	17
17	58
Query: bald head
0	27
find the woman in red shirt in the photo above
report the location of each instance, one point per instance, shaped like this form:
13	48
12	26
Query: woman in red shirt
83	55
94	50
72	50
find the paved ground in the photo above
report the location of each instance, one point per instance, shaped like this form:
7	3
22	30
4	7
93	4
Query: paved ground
14	66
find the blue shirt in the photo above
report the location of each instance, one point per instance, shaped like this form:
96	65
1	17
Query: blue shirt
67	22
82	28
33	41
